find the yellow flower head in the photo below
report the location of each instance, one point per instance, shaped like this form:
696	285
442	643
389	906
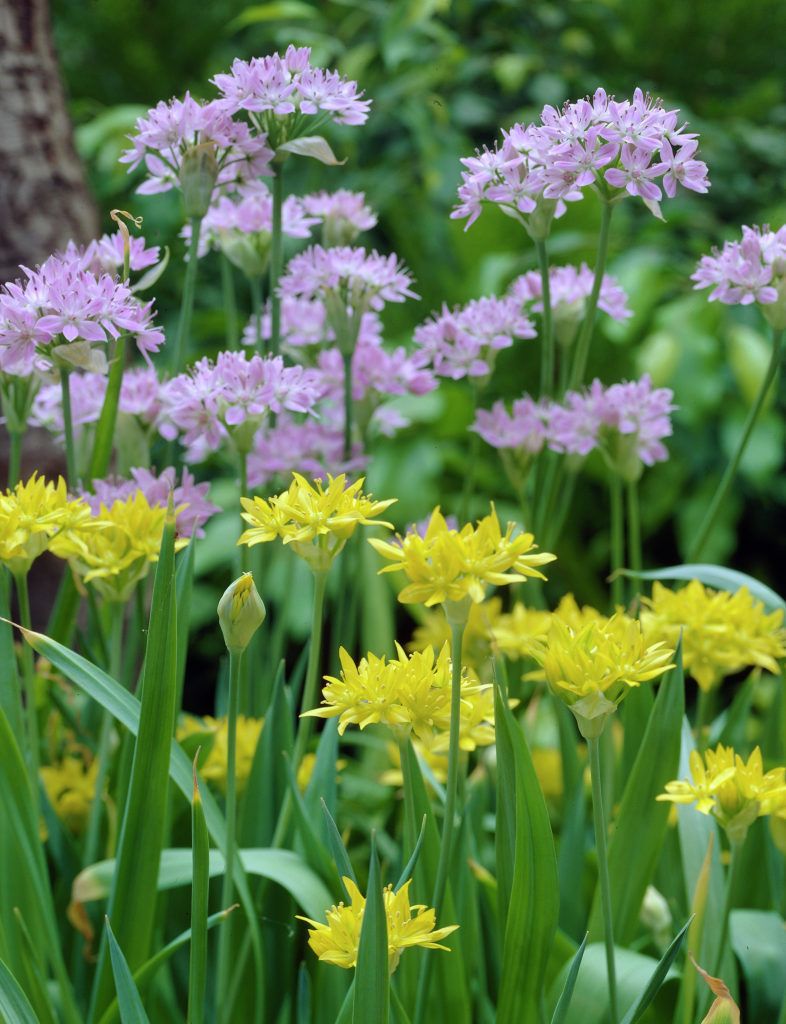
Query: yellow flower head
336	942
70	785
315	520
515	633
214	732
115	549
723	633
733	791
31	515
448	565
592	668
434	631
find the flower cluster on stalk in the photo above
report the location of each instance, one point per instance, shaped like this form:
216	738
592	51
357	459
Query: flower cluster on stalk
750	270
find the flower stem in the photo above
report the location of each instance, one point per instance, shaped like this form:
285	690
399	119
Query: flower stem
242	459
634	527
68	429
28	678
14	458
255	287
599	819
229	302
276	258
312	671
227	888
705	714
105	431
347	406
448	824
708	523
585	333
731	874
617	540
187	301
547	360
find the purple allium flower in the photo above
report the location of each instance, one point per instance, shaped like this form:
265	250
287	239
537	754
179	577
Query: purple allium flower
192	507
304	323
524	428
314	447
62	310
569	288
187	138
344	215
463	342
105	255
746	271
363	280
601	143
231	398
287	97
377	372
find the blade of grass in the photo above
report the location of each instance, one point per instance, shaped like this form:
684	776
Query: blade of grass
200	890
128	998
14	1004
34	974
372	974
636	1012
561	1009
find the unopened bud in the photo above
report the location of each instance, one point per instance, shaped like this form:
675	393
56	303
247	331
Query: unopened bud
198	174
241	612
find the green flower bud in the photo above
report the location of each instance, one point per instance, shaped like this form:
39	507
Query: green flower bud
241	612
198	175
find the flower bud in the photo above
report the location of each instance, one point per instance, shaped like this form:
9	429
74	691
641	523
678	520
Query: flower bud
198	175
241	612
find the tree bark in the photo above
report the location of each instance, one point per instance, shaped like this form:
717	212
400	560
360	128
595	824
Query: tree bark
44	198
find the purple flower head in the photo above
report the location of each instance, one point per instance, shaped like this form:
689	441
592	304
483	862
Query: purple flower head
231	398
617	147
525	428
569	288
344	215
176	139
314	447
105	255
750	270
192	507
463	342
377	372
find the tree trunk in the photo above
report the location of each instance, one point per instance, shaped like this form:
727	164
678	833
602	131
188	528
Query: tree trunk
44	199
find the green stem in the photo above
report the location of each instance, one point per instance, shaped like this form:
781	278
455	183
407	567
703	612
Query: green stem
584	339
599	819
68	429
28	679
448	824
14	458
472	461
634	527
187	301
731	874
547	357
255	287
708	523
105	431
245	552
227	889
617	540
705	713
312	671
347	406
229	303
276	258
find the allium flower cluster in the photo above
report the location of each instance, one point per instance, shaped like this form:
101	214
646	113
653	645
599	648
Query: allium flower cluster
105	255
195	146
633	147
212	735
314	447
344	215
192	507
287	97
525	427
377	372
569	289
231	398
304	322
61	310
463	342
747	271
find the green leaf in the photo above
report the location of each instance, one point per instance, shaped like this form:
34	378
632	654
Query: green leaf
758	937
658	977
267	782
642	821
313	146
34	974
716	576
10	693
339	851
372	974
563	1004
152	275
275	11
14	1004
317	854
526	874
128	1000
200	892
409	867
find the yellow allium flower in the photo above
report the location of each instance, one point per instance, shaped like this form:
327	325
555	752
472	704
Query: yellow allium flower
70	785
214	766
315	520
592	668
451	565
733	791
723	633
336	942
115	549
434	631
241	611
34	513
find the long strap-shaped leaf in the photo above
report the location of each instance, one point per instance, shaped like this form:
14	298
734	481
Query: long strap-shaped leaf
14	1004
128	998
658	976
372	975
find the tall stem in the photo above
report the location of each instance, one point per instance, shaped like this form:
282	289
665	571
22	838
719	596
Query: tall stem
68	429
585	333
312	671
255	287
617	540
28	678
547	354
599	819
105	431
708	523
14	458
448	824
245	552
347	406
229	303
634	527
276	250
227	888
187	301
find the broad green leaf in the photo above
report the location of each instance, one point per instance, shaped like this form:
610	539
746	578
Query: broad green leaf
758	937
277	10
526	874
563	1004
14	1004
641	822
286	868
200	893
132	899
372	974
314	146
695	933
34	974
128	999
716	576
658	977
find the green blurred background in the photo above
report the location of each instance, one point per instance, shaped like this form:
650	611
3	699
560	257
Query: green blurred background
444	77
